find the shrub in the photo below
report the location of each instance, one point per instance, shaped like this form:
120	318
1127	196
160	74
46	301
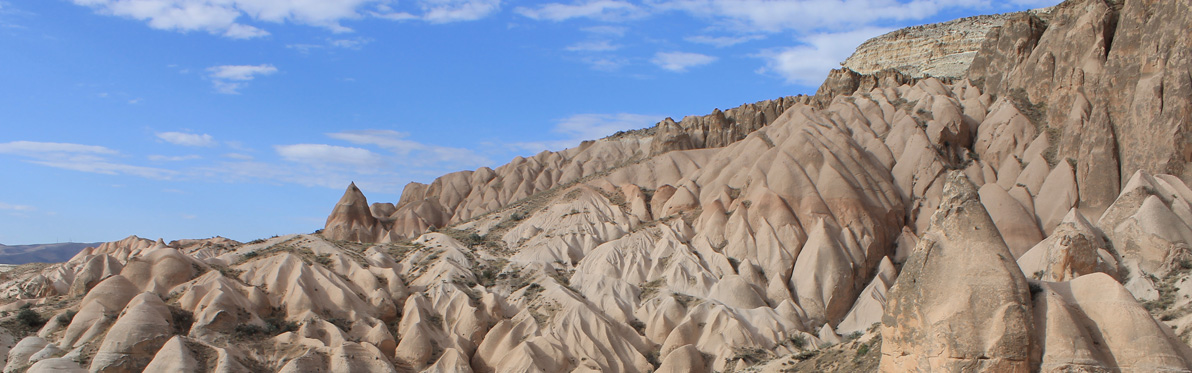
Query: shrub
638	325
798	341
183	320
864	349
28	317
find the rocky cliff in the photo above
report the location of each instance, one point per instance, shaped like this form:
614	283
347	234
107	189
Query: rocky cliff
942	50
1008	219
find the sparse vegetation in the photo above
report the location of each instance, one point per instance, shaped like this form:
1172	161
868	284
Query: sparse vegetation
533	290
27	317
181	319
273	326
649	289
751	355
638	325
798	341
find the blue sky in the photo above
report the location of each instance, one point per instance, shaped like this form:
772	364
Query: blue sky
248	118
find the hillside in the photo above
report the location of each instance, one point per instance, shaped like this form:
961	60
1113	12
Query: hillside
41	253
1027	212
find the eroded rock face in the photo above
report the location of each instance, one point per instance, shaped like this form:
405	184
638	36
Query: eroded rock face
747	239
942	50
961	302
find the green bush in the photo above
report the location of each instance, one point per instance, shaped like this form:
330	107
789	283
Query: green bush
28	317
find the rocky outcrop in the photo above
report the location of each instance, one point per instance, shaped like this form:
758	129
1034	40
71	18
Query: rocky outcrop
961	302
352	220
942	50
719	128
981	222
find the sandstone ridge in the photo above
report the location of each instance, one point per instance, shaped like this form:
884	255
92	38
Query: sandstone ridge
1006	219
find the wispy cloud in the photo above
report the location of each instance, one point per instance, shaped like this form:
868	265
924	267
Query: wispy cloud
804	15
606	30
605	10
5	206
330	44
681	61
442	11
175	158
79	157
581	127
35	148
723	41
593	46
229	79
446	11
186	139
808	64
324	155
413	153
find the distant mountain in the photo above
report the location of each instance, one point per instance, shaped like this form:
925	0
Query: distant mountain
43	253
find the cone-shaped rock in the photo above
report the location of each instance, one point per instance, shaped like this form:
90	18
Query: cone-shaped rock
351	220
961	302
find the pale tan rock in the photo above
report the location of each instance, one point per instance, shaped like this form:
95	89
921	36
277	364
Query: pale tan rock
871	303
938	318
1056	196
352	219
683	359
1076	248
1091	323
173	356
822	277
1005	132
1016	225
55	365
132	341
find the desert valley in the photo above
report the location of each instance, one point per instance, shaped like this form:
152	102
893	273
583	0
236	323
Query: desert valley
1002	193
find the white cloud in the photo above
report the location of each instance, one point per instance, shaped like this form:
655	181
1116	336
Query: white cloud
243	157
442	11
723	41
582	127
5	206
186	139
33	148
680	61
354	44
229	79
238	31
593	46
616	31
412	153
240	72
79	157
808	64
223	17
809	15
229	18
322	154
605	63
177	158
605	10
446	11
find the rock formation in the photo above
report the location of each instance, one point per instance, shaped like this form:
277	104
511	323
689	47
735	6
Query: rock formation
1027	212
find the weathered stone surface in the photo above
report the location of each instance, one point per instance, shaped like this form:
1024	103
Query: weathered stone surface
942	50
961	302
1093	324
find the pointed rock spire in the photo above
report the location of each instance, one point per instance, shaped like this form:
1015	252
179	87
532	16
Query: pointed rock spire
961	302
351	220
